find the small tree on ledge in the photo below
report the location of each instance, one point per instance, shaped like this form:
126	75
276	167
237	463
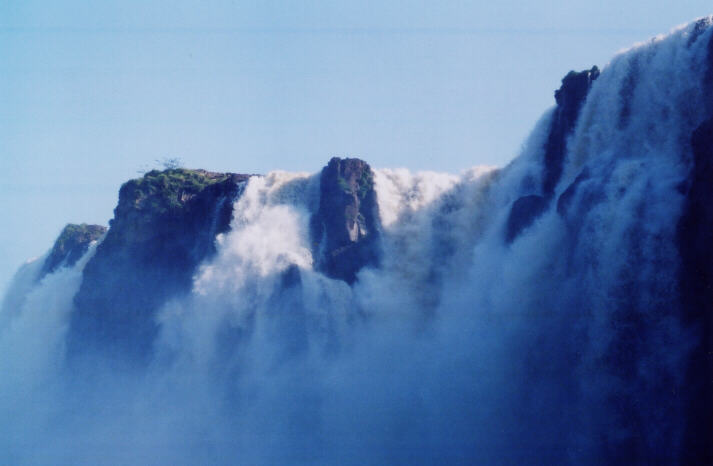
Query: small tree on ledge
170	163
165	163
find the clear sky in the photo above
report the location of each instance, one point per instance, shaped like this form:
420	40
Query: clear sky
92	92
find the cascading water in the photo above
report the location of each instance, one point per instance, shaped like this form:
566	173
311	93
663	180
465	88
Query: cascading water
560	343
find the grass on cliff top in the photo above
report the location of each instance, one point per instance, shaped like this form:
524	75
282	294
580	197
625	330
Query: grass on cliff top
74	232
161	191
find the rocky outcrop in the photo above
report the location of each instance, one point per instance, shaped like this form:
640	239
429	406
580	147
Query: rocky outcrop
522	214
708	77
72	243
164	225
695	244
567	196
345	229
569	97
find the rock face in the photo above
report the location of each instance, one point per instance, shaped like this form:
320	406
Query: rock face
346	226
708	77
695	243
565	199
163	227
569	97
70	246
522	214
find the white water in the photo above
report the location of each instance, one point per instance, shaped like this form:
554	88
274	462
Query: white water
457	349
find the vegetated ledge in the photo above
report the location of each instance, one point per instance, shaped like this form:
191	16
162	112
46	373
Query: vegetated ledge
71	244
173	195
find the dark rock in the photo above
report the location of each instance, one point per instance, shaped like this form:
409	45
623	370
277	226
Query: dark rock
695	244
164	225
566	198
569	97
579	198
698	29
291	278
523	213
345	229
70	246
627	91
708	78
288	321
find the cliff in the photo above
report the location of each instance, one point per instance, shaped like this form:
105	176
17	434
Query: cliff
569	98
695	246
695	243
164	225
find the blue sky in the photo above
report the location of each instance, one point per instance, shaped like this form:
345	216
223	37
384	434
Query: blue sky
92	92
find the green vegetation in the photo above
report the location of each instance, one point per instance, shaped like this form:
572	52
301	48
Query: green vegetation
344	185
163	191
72	230
72	242
74	233
366	183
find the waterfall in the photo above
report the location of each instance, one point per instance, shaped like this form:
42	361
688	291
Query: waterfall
560	344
